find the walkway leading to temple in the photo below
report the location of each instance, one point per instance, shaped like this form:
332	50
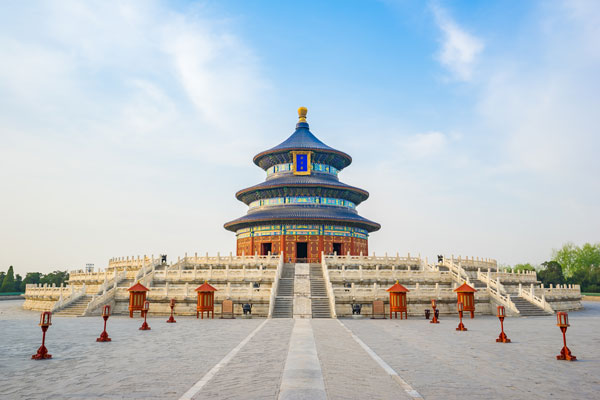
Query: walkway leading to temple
259	358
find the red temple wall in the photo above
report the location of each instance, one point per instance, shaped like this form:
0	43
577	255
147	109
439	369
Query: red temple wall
315	245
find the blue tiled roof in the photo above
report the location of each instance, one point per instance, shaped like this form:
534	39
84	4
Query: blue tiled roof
302	214
314	180
301	139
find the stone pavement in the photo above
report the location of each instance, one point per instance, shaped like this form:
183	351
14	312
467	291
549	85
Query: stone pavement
165	362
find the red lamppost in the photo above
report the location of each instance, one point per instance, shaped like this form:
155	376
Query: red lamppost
172	305
145	326
459	307
502	338
562	321
45	322
434	320
105	314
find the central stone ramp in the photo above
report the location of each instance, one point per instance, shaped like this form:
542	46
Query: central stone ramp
318	294
284	298
302	376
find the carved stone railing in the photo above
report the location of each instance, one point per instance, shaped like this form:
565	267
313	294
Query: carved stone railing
392	261
529	295
275	286
328	286
62	302
459	275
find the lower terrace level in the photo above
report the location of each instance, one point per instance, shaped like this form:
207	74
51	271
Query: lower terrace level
263	358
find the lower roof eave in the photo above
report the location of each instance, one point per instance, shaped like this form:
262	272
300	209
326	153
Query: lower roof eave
234	226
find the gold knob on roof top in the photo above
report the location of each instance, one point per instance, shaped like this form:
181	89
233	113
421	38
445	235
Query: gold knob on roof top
302	114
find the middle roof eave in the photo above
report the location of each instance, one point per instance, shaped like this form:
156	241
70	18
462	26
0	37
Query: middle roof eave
302	181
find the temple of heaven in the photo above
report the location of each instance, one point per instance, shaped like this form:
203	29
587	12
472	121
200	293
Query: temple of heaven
302	209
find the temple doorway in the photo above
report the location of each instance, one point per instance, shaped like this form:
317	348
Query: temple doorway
265	249
337	249
301	251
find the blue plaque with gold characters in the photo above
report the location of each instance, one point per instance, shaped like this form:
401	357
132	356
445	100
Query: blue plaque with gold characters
301	161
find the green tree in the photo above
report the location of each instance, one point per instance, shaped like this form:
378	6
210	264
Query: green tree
576	260
523	267
8	284
2	275
551	273
56	277
18	283
31	277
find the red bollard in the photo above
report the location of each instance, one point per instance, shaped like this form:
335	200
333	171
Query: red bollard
45	323
434	320
171	319
459	307
145	326
502	338
562	319
105	314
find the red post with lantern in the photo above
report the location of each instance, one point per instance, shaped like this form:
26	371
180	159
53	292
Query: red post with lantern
45	322
460	309
104	335
562	321
137	297
501	314
206	300
466	295
434	320
145	326
172	305
398	300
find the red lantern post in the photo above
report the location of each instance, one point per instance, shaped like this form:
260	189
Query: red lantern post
172	305
105	314
459	307
45	322
434	320
137	297
562	321
206	300
145	326
502	338
466	295
398	300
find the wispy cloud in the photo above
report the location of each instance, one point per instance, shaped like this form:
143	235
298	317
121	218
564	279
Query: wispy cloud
422	145
459	49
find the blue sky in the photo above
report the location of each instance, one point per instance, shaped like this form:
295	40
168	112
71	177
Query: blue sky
126	127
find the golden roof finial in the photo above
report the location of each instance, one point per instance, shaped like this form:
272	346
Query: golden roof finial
302	114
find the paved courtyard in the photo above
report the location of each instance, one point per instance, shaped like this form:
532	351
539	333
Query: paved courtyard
310	359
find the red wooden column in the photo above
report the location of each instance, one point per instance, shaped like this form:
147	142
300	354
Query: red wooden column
466	295
137	297
398	300
206	300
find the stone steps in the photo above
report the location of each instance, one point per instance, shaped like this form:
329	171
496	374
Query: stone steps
284	298
75	309
318	293
526	308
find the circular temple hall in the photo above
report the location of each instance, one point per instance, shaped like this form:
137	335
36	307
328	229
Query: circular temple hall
302	209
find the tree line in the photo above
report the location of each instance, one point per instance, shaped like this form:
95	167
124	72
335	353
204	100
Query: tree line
571	264
11	283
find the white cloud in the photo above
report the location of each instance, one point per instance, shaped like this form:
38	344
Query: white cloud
460	49
423	145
